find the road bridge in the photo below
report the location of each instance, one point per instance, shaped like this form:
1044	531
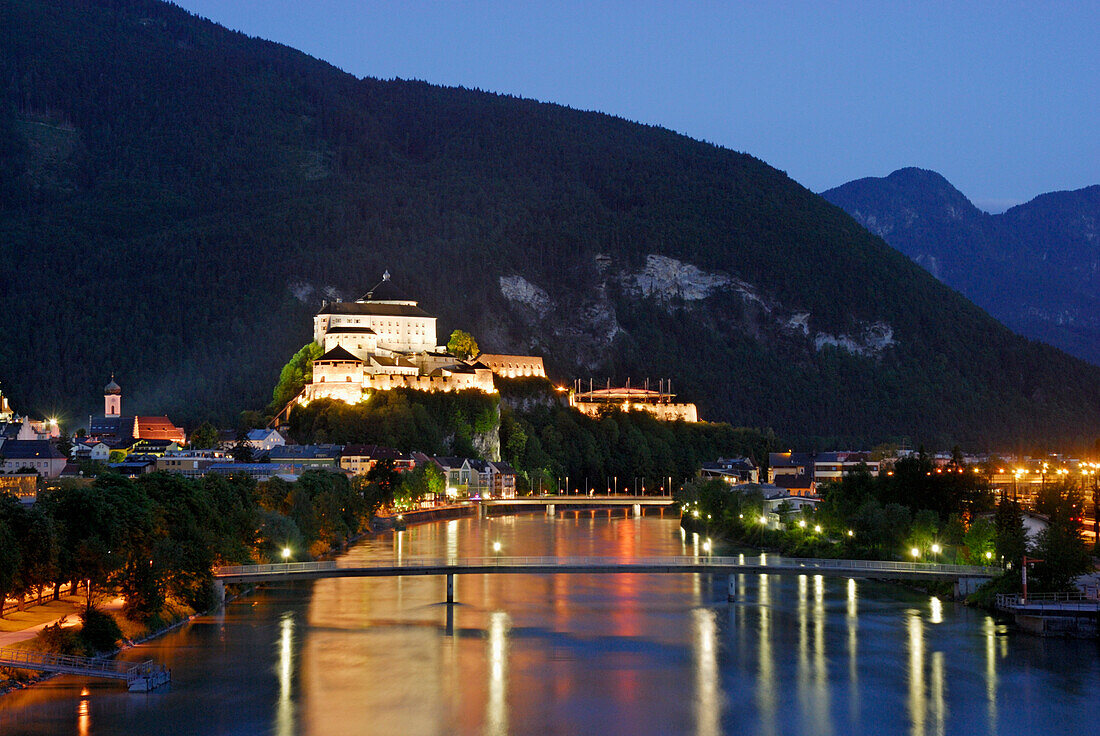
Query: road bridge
966	577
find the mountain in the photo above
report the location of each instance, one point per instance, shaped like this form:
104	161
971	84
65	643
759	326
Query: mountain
178	198
1036	267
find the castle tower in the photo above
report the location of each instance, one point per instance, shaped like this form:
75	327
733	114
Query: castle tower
112	399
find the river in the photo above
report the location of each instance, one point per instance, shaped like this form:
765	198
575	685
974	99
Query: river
582	654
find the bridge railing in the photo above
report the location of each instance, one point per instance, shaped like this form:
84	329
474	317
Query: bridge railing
1047	601
27	659
870	566
274	568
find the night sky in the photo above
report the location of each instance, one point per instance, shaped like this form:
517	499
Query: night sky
999	97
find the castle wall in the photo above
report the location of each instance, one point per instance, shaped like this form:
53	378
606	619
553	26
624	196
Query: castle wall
665	412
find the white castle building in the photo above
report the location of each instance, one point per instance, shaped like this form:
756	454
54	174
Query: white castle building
384	340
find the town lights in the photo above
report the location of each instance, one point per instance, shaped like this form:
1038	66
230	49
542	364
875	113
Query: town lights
935	549
817	528
706	546
989	555
286	553
915	552
763	520
802	523
851	533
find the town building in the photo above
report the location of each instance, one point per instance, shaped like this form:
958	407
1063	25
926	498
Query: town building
265	440
38	455
360	459
659	403
802	472
299	458
734	471
156	448
91	450
15	427
6	414
135	465
191	463
117	430
258	471
23	486
502	480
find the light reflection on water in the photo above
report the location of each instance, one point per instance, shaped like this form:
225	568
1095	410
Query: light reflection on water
565	654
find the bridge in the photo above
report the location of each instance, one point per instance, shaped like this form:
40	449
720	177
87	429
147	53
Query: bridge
633	504
139	677
966	577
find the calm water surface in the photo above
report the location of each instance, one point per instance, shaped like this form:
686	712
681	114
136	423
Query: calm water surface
583	654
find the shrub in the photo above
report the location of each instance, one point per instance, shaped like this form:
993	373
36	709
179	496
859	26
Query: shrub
100	632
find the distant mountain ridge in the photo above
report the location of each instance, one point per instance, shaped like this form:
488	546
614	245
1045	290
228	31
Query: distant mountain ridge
176	199
1036	267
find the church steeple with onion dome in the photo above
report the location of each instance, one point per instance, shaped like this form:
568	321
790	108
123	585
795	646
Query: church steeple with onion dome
112	399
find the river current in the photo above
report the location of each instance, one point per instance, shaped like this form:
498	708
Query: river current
582	654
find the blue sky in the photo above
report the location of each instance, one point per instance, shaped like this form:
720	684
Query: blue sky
1001	98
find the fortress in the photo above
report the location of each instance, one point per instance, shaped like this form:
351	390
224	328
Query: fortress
384	340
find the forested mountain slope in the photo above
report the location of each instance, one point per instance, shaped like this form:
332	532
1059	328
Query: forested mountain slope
177	198
1035	267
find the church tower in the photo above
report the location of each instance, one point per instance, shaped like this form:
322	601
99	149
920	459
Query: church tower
112	399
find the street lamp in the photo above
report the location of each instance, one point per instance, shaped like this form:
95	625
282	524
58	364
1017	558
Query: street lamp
935	549
496	546
915	552
286	553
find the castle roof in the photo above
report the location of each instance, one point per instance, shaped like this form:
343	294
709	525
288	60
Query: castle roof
341	329
375	308
338	354
112	388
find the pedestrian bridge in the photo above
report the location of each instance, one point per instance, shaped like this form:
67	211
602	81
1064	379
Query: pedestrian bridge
965	575
574	500
139	677
633	505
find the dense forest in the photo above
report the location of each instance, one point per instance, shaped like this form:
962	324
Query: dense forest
176	198
548	443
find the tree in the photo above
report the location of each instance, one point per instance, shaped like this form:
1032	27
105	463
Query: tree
462	344
980	539
204	437
9	561
242	451
295	374
1010	540
1060	546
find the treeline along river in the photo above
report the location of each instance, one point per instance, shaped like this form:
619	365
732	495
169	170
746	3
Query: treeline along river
571	654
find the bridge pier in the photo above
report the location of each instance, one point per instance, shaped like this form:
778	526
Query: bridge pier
550	510
731	588
636	510
481	510
219	593
966	586
450	589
